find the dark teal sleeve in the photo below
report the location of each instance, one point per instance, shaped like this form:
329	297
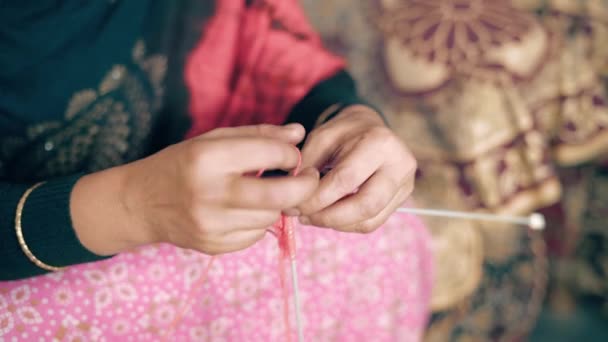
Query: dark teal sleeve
46	226
340	90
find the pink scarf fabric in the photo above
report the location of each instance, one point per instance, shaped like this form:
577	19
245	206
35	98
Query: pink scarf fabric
254	64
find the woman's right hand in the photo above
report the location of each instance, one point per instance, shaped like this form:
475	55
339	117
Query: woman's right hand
196	194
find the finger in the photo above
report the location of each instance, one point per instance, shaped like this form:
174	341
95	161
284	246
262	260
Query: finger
272	193
374	223
350	172
292	133
241	155
234	241
225	221
373	196
322	143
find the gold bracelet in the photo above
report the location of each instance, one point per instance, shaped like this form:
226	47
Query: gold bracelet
19	232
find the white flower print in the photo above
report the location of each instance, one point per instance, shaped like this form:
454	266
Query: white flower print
156	272
63	296
149	251
20	295
3	302
162	310
161	296
216	270
56	276
17	305
192	274
29	315
111	284
199	334
220	326
188	254
102	298
164	315
365	288
6	322
125	291
78	330
120	327
76	336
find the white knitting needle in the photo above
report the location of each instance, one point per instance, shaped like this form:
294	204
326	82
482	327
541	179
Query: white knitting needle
296	299
535	221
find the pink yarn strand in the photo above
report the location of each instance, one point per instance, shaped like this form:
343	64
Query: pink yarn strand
283	231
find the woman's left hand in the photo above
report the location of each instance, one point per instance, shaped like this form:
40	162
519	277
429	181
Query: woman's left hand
371	172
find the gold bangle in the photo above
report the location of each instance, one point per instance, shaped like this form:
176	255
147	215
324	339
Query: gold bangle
26	250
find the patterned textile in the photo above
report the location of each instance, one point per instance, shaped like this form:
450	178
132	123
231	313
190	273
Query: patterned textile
354	288
496	99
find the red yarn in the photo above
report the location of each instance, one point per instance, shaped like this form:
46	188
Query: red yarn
283	231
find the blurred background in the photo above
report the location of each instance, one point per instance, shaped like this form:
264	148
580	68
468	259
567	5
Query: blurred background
504	105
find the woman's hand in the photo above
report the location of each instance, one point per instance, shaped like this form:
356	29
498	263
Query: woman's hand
371	172
196	194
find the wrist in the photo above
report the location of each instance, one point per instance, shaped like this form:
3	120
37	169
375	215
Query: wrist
100	217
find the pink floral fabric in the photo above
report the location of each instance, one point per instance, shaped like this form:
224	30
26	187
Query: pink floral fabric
354	288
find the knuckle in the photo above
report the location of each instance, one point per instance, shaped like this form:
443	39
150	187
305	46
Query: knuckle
199	223
413	165
343	179
379	133
320	221
410	161
307	208
296	192
371	206
319	136
282	154
290	154
408	188
368	227
272	197
199	155
364	228
314	134
263	129
269	219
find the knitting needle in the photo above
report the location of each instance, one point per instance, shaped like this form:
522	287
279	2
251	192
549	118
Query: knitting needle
296	299
535	221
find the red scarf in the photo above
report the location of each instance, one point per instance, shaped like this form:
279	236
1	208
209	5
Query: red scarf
253	64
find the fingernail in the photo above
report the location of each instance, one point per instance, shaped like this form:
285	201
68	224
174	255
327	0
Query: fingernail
292	126
291	212
304	220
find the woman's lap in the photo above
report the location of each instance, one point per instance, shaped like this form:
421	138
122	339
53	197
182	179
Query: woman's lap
353	287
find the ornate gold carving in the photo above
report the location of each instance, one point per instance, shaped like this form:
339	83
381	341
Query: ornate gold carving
427	43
